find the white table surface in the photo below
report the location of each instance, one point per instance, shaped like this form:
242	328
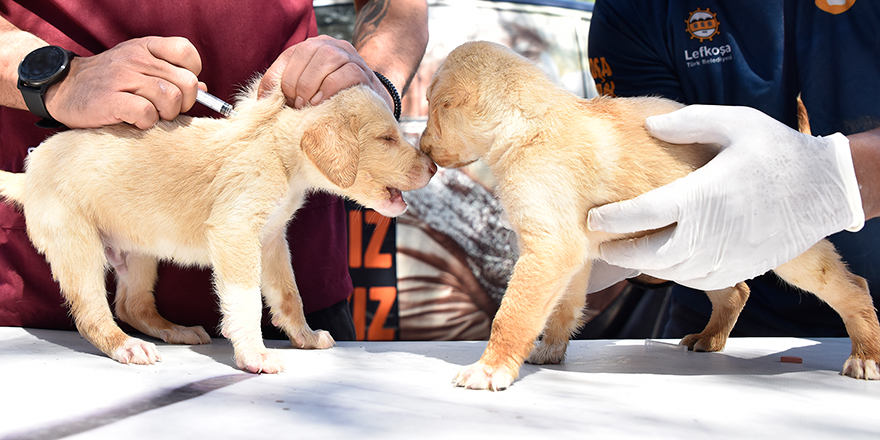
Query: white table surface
54	384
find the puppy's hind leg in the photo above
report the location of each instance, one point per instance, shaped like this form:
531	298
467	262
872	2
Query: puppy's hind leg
566	319
820	271
726	307
136	305
75	253
282	296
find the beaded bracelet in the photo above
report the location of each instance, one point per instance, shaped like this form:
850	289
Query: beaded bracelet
393	91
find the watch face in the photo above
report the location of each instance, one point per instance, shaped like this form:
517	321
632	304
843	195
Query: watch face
42	65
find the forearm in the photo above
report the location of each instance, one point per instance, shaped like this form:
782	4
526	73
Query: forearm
391	36
14	45
865	149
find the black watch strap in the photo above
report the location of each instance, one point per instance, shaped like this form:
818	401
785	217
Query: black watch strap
33	98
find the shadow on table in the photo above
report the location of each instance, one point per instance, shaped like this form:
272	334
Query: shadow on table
220	350
595	357
69	339
610	357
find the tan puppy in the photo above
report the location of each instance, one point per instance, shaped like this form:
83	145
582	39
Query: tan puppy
555	156
205	192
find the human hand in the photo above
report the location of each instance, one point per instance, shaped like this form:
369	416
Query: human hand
768	196
137	81
315	69
604	275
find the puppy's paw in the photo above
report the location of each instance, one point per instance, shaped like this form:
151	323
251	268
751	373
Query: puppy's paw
259	361
136	351
479	376
700	342
185	335
859	368
545	353
308	339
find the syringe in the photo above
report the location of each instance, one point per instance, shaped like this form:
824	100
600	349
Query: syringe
214	103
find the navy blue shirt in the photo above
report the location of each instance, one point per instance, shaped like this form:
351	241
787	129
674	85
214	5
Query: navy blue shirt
761	54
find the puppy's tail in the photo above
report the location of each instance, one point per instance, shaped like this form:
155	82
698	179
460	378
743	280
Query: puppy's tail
12	186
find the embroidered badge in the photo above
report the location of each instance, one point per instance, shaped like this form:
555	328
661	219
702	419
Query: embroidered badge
835	6
703	25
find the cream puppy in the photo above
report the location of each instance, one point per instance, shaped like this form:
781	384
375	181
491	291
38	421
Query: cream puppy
205	192
555	157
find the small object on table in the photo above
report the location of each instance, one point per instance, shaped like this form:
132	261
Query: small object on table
791	360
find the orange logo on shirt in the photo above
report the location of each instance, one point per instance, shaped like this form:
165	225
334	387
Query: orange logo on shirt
835	6
703	25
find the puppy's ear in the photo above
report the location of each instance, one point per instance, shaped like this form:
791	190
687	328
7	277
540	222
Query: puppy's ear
332	145
444	98
455	97
444	92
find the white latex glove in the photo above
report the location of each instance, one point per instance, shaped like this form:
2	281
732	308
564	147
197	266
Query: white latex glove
769	195
604	275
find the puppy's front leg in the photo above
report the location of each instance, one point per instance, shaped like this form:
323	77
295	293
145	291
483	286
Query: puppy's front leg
282	296
543	271
236	260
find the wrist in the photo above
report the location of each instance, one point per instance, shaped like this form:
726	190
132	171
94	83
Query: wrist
845	168
865	148
395	97
50	102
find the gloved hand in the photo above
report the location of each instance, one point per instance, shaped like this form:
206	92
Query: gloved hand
604	275
769	195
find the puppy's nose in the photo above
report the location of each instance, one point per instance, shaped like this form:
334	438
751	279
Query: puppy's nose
423	146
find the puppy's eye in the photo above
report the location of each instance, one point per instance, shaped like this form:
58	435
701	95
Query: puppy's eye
388	138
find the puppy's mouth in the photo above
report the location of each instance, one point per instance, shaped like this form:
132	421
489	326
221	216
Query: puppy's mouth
453	163
395	196
392	206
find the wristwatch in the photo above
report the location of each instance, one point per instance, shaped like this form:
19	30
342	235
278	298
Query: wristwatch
39	70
